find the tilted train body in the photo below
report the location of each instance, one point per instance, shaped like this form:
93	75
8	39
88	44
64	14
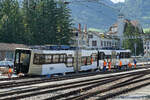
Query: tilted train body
44	62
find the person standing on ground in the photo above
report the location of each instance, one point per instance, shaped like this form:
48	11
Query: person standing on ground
129	65
104	66
120	64
109	65
134	63
9	72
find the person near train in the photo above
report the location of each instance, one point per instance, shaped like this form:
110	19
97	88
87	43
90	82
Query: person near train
9	72
120	64
134	61
129	65
109	65
104	65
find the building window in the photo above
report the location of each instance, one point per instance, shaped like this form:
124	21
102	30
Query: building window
90	36
94	43
107	43
102	43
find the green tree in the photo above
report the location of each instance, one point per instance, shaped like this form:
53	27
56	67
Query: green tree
64	24
130	30
11	26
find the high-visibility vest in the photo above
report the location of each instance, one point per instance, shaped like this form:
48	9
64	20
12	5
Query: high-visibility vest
120	63
109	63
91	60
105	63
129	65
9	70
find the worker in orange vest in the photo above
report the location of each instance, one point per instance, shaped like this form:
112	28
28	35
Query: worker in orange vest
9	72
104	65
129	65
109	65
120	64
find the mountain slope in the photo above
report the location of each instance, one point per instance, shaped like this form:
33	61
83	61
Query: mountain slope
138	9
94	14
97	15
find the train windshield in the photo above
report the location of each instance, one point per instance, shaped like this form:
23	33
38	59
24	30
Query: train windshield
22	61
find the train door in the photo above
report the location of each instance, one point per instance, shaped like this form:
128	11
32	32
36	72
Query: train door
22	61
100	60
113	58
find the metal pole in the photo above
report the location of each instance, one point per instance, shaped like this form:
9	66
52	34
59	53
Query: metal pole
147	49
28	3
77	51
135	49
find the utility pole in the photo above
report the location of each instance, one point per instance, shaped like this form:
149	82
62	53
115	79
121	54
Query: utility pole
78	52
135	46
147	49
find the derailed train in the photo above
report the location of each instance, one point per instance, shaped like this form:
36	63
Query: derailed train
44	62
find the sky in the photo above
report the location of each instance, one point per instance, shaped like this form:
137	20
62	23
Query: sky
116	1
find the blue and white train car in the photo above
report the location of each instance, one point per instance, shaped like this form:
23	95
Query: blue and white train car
44	62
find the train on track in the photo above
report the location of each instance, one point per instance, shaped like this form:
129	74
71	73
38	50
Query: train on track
44	62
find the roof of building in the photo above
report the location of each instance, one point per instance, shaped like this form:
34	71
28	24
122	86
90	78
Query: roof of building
135	23
11	46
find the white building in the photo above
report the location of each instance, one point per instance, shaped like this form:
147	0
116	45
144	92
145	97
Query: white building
98	40
146	45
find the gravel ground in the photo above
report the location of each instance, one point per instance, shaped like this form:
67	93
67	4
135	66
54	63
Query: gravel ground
127	96
42	96
140	94
104	86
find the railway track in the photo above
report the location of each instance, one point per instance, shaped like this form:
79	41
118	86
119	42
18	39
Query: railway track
75	88
36	80
27	77
88	91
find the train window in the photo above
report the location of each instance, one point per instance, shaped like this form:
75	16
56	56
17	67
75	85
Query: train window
69	55
48	59
42	59
36	59
17	58
39	59
101	56
83	61
108	57
62	58
127	55
121	55
70	61
88	60
55	58
94	56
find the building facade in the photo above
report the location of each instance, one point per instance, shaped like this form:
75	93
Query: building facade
146	45
7	50
97	40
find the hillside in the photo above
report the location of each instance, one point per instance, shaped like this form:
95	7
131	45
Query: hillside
99	16
138	9
94	14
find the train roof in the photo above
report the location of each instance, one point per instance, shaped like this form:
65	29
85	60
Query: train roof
57	51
